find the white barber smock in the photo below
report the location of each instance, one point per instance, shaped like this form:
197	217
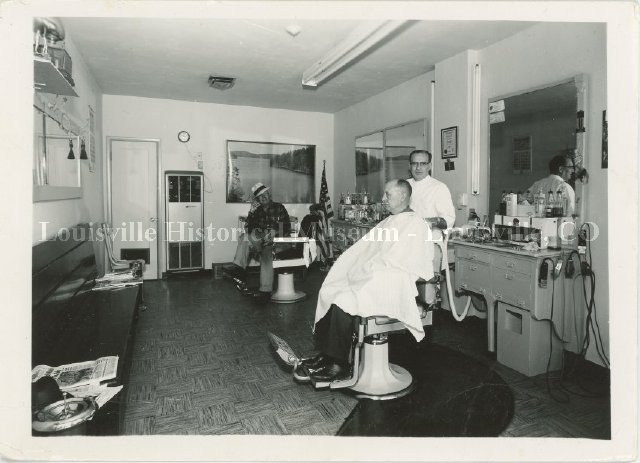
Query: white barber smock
432	198
377	275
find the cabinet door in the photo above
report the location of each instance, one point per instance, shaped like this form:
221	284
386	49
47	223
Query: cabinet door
473	276
513	288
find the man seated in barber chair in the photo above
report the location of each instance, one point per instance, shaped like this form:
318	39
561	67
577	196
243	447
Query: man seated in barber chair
265	221
374	279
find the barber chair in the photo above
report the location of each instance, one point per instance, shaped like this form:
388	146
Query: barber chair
373	377
289	253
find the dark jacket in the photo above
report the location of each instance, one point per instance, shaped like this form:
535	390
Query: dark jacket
275	217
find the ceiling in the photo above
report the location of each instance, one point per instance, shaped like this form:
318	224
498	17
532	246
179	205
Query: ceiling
173	58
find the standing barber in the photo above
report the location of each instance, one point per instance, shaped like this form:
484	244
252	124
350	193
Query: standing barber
431	198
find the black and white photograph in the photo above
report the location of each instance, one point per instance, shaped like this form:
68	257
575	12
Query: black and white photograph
254	211
272	164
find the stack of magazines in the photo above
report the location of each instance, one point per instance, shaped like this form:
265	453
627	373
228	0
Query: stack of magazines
116	280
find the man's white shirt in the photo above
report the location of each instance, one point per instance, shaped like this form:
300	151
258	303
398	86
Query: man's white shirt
431	198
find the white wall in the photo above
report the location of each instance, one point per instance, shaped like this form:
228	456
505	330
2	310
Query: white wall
89	208
403	103
210	126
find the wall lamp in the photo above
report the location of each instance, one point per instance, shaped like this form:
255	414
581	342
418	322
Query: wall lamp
361	40
475	131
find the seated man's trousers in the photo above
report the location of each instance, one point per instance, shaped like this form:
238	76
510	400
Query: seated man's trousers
334	334
253	241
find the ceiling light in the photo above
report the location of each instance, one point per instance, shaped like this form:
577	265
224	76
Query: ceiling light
357	43
221	83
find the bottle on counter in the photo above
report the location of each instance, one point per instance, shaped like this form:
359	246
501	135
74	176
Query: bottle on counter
540	203
347	198
549	205
528	198
560	208
502	209
365	198
520	197
473	219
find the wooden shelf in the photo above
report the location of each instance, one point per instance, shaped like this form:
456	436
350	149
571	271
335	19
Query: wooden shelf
48	79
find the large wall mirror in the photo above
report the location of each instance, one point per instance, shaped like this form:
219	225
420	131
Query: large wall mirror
527	130
384	155
55	176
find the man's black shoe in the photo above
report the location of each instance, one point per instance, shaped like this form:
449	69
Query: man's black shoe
329	373
234	273
316	361
302	373
261	296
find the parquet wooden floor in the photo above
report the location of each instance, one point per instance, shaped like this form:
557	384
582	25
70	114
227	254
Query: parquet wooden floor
202	365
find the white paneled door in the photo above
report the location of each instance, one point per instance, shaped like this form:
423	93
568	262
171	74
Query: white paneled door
133	170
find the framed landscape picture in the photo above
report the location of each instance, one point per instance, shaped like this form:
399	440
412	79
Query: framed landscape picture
289	170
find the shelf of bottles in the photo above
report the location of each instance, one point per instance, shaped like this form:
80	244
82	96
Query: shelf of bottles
549	204
358	208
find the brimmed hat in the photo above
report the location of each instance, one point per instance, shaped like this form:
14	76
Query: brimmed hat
258	189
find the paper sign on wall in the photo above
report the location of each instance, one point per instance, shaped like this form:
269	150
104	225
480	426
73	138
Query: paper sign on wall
496	106
496	117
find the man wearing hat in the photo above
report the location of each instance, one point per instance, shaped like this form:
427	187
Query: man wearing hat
265	221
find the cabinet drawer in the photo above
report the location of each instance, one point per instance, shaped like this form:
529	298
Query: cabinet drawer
467	252
473	276
513	288
513	264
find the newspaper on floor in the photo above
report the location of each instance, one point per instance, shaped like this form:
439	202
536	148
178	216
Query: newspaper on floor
79	374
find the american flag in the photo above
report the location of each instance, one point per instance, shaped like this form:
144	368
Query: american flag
325	201
326	212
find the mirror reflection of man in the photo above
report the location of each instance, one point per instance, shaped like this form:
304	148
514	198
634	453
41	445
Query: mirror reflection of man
561	168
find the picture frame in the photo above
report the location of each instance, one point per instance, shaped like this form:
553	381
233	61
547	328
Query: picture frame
287	168
449	142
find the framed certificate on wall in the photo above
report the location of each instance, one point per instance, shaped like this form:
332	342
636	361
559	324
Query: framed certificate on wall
449	142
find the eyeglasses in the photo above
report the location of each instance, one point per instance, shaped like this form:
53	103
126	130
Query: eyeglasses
419	164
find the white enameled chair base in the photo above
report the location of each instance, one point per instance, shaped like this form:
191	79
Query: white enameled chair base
379	379
286	292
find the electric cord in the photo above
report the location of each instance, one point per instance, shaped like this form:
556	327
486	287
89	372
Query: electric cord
592	317
207	180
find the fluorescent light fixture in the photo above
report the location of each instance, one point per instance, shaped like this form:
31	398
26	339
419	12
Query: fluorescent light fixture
475	132
358	42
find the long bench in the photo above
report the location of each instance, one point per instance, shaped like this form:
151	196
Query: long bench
71	323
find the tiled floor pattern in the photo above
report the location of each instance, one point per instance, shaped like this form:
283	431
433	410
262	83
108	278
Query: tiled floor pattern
202	365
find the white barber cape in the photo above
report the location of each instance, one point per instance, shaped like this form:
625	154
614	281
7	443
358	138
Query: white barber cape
377	275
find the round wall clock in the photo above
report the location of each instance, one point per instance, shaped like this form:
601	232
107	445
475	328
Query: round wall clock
183	136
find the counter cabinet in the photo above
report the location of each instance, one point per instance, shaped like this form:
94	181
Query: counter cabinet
512	277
